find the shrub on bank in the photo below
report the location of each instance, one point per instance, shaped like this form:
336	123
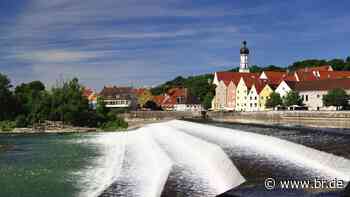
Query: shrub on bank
7	126
114	125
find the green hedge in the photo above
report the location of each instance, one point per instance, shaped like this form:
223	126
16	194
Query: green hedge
6	126
114	125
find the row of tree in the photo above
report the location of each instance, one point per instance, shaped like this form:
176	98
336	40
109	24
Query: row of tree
30	104
335	97
337	64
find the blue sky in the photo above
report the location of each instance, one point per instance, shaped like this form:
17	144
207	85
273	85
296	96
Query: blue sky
145	42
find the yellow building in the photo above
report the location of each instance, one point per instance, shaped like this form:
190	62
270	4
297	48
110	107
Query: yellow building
263	96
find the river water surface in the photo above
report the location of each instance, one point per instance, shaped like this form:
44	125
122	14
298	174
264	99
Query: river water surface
172	159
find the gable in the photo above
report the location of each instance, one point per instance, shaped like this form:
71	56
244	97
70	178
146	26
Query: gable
263	75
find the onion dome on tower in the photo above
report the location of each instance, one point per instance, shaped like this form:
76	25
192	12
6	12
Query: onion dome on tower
244	66
244	49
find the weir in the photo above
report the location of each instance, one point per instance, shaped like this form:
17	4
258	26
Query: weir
142	162
205	161
320	163
146	167
106	168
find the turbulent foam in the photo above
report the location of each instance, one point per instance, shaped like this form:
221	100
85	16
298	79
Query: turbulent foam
106	168
204	160
142	160
148	165
324	164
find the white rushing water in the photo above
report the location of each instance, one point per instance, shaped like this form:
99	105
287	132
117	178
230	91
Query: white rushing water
203	160
144	159
323	164
107	167
146	166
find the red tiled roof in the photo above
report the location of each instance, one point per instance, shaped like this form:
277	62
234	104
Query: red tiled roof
323	84
290	77
322	75
234	76
306	76
250	80
318	68
113	91
259	85
87	92
159	99
275	77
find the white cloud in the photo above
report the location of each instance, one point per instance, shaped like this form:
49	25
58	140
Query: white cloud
57	56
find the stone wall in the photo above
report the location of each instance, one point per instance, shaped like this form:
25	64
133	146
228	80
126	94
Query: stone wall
330	119
157	115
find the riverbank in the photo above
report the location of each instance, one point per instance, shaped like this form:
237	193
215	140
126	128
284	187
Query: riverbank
318	119
135	124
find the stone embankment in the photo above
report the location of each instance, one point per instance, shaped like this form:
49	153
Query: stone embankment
326	119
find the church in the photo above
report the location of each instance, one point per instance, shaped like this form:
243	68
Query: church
227	98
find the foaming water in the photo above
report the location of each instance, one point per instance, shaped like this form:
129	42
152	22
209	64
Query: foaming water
201	161
106	168
145	168
317	163
190	159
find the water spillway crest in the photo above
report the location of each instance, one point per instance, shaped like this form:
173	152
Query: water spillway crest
106	168
319	163
204	161
192	159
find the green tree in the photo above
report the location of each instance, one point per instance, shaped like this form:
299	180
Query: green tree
101	108
274	100
336	97
348	60
30	95
292	98
8	107
68	102
255	69
273	68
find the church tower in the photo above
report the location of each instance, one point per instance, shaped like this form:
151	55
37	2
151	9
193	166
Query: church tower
244	66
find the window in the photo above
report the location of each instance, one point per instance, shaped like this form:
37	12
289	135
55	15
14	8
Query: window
255	104
318	96
251	98
251	104
306	97
256	98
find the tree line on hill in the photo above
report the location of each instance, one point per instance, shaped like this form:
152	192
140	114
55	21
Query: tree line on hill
30	105
205	92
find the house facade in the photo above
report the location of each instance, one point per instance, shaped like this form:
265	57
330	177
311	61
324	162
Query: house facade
264	96
178	99
119	97
284	87
312	92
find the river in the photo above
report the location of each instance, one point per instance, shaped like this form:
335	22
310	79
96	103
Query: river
172	159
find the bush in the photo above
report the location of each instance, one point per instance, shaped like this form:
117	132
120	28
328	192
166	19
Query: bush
7	126
114	125
21	121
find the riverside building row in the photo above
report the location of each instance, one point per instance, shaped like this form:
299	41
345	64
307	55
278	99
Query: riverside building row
245	91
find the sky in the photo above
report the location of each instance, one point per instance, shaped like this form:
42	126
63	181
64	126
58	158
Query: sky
146	42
